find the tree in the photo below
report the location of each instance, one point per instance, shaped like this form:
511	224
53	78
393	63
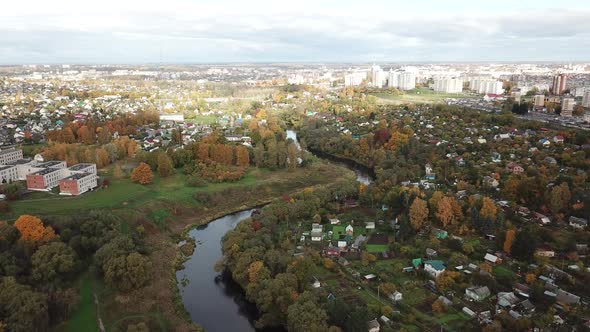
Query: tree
449	211
104	135
22	309
418	213
33	231
433	201
510	235
525	244
85	136
142	174
305	315
488	209
242	156
52	262
559	198
292	156
128	272
102	157
438	307
446	280
530	278
165	166
118	172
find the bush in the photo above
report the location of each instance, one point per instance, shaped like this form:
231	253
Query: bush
195	181
202	197
4	207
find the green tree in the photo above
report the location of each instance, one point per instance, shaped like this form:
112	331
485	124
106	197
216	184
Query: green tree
21	308
524	245
52	262
306	315
128	272
165	166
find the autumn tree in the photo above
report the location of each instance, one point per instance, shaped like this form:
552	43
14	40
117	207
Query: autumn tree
85	136
33	231
292	156
438	307
418	213
142	174
102	158
446	280
434	199
449	211
242	156
165	166
530	278
488	209
510	236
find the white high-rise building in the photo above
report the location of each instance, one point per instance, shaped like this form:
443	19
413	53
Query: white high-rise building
354	79
539	100
407	80
448	85
486	86
393	80
377	76
586	99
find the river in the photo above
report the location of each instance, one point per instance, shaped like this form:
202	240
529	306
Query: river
213	299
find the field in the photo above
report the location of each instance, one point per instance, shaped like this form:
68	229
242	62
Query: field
417	96
122	193
377	248
84	318
202	119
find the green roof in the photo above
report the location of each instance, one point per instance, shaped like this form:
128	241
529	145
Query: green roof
436	264
416	262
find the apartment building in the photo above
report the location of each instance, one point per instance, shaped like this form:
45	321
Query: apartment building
45	179
77	183
83	168
10	155
8	174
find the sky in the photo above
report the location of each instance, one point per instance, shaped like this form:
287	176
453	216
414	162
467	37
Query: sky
196	31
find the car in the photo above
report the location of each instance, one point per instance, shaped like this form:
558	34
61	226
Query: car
302	238
2	197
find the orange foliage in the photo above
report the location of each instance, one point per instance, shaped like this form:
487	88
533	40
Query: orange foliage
142	174
32	230
510	236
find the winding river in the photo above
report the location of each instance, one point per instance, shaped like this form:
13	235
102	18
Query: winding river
213	299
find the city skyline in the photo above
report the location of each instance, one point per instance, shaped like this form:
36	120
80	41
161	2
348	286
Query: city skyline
184	31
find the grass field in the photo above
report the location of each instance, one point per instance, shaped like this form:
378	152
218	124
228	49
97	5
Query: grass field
202	119
377	248
417	96
126	194
84	318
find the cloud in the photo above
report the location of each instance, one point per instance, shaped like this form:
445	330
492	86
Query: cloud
231	31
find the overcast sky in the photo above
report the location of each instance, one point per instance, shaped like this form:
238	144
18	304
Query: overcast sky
197	31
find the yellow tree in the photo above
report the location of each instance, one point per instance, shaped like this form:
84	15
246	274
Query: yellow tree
488	209
418	213
33	231
449	211
510	236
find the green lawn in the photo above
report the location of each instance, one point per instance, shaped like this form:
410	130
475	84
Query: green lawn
202	119
377	248
84	318
124	193
502	272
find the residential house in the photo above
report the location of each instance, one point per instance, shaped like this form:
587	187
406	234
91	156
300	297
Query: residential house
396	296
578	223
316	232
541	218
490	181
558	139
477	293
514	168
506	301
492	259
545	251
373	326
434	267
566	298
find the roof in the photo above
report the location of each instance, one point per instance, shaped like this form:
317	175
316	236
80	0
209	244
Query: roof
482	291
436	264
491	258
